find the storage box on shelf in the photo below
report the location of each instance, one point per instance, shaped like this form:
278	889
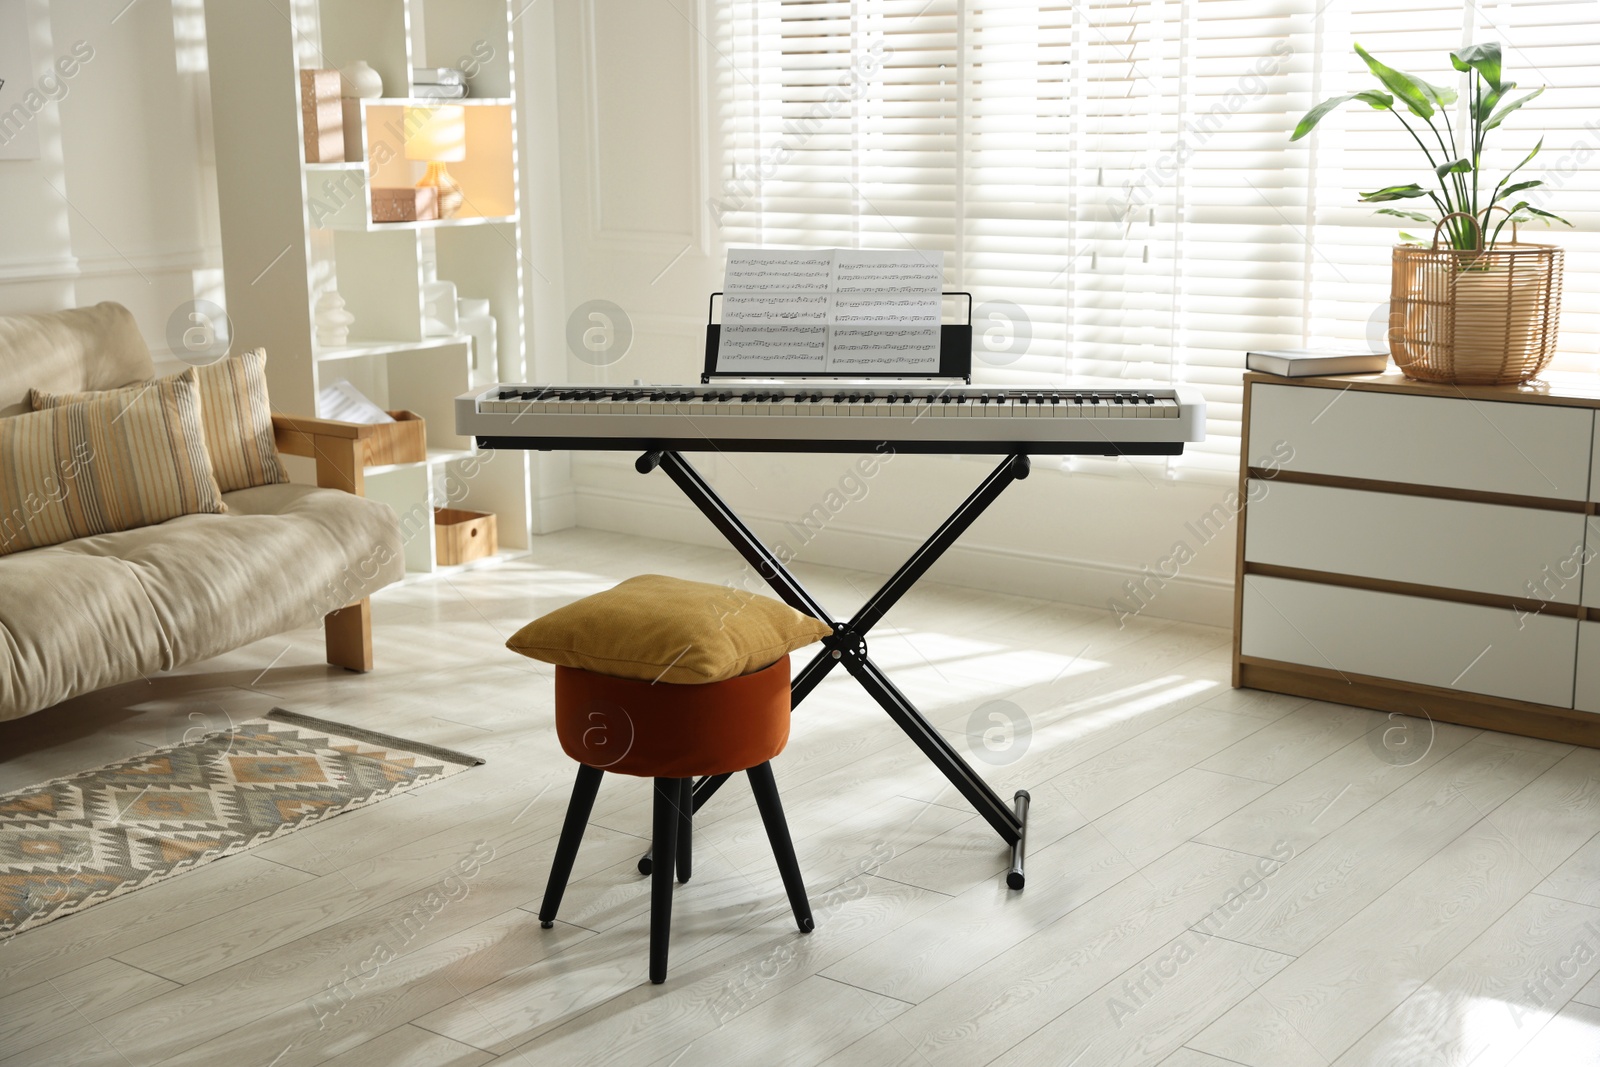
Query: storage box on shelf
1423	549
405	440
463	536
294	229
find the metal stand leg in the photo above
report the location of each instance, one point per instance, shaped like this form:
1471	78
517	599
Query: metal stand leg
1016	877
847	645
584	791
668	792
765	788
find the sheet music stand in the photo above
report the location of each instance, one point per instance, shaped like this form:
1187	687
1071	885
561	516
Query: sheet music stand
955	352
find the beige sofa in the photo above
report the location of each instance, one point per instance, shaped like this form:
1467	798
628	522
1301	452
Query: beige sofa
113	608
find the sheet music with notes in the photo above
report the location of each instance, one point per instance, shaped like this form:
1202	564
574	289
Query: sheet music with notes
838	311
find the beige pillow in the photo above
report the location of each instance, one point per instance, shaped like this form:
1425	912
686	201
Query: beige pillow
123	459
234	412
661	629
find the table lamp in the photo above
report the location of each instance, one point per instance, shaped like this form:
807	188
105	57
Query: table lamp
436	136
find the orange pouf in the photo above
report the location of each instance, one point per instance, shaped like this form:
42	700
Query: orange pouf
656	730
671	734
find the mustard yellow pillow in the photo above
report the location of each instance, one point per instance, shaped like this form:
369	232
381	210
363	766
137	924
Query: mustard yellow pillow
234	412
115	462
661	629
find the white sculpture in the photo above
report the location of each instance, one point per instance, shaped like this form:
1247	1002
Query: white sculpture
332	320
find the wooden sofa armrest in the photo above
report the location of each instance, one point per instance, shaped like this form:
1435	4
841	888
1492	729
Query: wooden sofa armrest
338	447
341	453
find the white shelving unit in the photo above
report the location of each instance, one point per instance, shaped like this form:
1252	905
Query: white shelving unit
294	230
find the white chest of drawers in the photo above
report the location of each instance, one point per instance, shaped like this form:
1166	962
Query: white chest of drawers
1423	549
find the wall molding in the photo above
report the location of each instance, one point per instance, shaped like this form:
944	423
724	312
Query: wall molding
71	268
181	261
27	271
1017	572
625	239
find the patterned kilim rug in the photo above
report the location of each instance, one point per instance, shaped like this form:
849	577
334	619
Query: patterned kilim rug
73	842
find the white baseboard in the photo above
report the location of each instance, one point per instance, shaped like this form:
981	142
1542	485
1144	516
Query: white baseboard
555	511
1187	598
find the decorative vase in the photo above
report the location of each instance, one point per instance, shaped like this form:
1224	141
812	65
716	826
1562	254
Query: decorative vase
361	81
332	320
1474	316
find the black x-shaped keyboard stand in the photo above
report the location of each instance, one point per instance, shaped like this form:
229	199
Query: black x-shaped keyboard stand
848	647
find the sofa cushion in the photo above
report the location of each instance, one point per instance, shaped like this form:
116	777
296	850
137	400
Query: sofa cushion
235	413
70	624
119	461
197	586
69	352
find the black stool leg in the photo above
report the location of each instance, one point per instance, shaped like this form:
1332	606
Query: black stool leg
578	809
685	830
765	788
668	793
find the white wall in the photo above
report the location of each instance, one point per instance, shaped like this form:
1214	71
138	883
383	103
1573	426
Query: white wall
633	120
121	205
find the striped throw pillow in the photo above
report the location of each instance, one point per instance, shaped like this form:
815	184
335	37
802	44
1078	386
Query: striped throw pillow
119	460
235	413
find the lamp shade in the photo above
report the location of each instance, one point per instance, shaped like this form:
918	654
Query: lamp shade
436	134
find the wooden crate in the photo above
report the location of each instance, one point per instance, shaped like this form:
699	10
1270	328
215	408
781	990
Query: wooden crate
405	203
405	440
463	536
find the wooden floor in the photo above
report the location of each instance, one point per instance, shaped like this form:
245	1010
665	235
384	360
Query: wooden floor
1216	877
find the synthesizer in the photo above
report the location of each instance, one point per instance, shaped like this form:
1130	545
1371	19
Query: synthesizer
790	417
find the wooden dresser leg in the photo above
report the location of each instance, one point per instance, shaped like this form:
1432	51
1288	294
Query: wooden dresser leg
349	635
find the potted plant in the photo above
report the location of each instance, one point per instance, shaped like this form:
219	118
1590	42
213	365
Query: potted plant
1467	306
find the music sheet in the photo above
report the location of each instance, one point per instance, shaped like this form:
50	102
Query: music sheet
842	311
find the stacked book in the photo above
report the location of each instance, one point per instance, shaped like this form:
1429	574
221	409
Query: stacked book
438	83
1304	362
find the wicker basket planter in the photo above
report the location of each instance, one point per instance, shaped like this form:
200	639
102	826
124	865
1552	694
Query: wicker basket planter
1474	317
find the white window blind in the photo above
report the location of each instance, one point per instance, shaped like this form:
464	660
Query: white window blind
1121	171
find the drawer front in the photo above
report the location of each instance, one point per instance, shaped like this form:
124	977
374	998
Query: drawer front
1527	449
1588	687
1591	564
1594	464
1474	649
1484	548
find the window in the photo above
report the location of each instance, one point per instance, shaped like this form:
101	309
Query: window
1114	180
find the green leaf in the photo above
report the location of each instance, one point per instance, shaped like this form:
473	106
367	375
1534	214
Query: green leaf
1414	216
1530	209
1412	238
1460	166
1517	188
1524	163
1491	98
1442	95
1483	58
1394	192
1379	101
1500	116
1518	217
1416	94
1316	115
